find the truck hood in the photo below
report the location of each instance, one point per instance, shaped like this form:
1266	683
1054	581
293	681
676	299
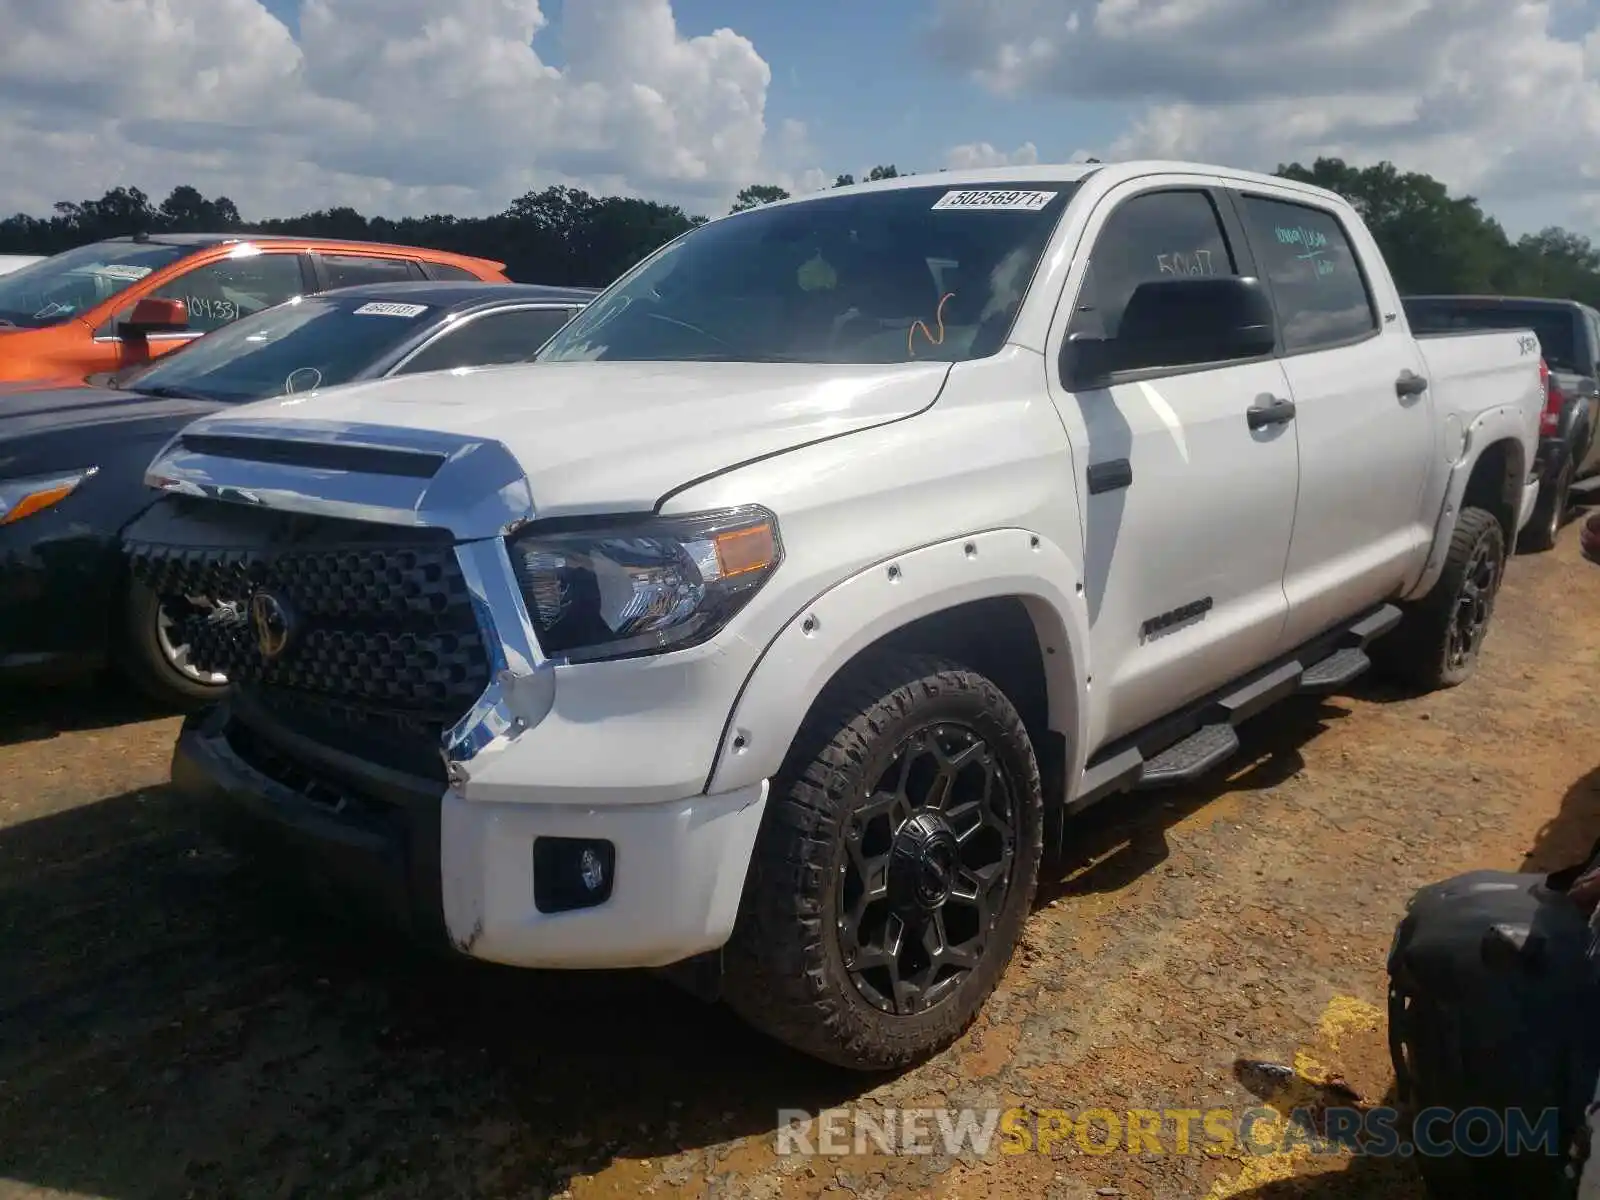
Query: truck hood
604	436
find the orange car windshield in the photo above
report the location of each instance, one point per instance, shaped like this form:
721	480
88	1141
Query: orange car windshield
67	285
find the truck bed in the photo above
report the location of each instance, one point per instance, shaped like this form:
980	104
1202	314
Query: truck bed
1470	371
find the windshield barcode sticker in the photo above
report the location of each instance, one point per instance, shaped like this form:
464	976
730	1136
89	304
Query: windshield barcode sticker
384	308
122	271
1006	201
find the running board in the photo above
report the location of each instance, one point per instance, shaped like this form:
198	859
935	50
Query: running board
1187	745
1335	671
1186	761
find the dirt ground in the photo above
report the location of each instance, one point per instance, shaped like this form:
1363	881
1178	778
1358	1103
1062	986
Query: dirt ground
169	1027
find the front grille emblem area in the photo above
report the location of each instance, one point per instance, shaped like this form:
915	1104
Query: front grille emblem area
271	624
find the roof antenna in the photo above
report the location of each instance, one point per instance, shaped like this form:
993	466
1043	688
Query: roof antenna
141	236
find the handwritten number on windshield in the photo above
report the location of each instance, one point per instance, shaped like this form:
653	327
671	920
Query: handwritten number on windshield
938	317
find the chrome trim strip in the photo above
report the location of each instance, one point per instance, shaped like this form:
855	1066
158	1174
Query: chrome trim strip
522	686
480	491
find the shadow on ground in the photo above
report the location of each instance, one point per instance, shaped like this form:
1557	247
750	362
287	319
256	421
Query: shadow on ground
1387	1177
36	713
1112	844
172	1027
1570	835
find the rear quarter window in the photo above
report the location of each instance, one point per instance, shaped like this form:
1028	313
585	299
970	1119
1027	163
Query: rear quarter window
351	270
1321	295
447	271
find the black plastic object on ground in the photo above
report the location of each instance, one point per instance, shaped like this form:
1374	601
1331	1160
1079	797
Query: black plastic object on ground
1492	1006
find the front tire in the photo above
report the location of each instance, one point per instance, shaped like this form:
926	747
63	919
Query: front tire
895	867
154	657
1438	640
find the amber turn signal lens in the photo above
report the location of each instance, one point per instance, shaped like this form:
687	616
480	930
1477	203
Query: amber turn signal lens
35	501
740	551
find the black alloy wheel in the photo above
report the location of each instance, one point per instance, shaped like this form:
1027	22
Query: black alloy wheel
1474	605
927	861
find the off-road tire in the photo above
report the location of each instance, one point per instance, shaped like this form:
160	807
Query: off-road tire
142	661
1549	514
784	968
1418	651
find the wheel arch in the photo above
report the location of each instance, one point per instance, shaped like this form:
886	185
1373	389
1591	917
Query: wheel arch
1490	474
1005	603
1495	484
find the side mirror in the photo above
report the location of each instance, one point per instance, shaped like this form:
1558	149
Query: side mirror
155	315
1178	322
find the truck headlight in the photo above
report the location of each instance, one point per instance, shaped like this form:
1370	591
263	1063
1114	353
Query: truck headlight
23	497
664	583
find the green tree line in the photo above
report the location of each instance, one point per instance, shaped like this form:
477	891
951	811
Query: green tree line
1433	241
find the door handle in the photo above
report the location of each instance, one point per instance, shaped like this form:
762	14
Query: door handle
1273	411
1410	384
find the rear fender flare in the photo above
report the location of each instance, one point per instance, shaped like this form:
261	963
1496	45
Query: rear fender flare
1504	423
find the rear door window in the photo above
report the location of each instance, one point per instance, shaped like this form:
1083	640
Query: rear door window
1317	284
511	336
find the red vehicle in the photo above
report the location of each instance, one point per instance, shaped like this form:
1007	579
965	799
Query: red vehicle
121	302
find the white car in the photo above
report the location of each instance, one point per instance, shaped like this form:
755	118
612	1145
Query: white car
774	623
15	262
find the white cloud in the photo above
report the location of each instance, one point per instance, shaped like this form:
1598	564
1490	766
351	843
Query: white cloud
982	154
1500	98
390	105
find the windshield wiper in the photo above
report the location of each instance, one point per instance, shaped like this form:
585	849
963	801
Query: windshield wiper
167	392
731	356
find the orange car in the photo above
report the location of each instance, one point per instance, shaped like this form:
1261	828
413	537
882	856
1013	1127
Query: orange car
120	302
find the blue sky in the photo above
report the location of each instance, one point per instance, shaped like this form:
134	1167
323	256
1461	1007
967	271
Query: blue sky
861	79
868	90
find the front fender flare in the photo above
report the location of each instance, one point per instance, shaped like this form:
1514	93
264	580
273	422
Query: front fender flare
822	638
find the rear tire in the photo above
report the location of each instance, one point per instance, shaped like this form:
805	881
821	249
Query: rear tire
153	663
1549	514
896	864
1437	642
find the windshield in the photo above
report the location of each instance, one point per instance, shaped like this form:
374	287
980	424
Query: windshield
66	285
305	343
1553	325
874	277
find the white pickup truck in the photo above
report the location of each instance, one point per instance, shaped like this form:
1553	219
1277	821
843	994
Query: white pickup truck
772	625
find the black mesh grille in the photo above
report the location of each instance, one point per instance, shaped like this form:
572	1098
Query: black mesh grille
378	618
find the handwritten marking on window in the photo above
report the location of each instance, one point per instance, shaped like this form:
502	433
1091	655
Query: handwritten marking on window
1197	262
1313	244
938	317
211	309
